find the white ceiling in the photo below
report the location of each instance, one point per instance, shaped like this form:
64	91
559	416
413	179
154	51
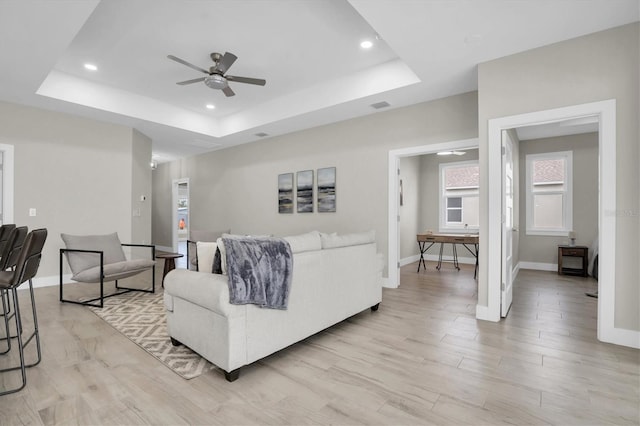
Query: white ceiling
307	50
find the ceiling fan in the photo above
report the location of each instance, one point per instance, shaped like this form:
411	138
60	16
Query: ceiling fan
216	76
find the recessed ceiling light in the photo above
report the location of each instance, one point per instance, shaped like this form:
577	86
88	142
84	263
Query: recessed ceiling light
367	44
91	67
210	106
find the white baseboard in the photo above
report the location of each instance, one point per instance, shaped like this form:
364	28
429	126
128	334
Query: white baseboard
621	336
46	281
410	259
434	258
387	284
463	260
537	266
482	313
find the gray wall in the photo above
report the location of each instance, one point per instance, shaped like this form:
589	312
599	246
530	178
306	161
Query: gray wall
76	172
542	249
595	67
236	188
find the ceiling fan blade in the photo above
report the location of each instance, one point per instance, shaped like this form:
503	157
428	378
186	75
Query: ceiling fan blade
183	62
257	81
228	92
226	61
195	80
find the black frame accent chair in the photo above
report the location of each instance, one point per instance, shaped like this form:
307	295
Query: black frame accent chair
26	268
8	259
100	259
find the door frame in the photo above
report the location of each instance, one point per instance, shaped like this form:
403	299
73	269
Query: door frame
174	210
606	113
393	249
7	182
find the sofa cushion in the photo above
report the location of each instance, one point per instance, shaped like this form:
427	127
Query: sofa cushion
205	253
305	242
194	237
109	244
114	271
334	241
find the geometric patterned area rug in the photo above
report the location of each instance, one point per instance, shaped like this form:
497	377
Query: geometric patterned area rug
141	318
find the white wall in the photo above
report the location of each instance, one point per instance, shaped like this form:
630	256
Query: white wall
591	68
236	188
76	173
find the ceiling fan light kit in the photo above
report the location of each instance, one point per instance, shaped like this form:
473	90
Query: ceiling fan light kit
216	81
216	78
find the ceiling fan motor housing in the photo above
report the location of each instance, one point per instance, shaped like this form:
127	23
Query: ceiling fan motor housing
216	81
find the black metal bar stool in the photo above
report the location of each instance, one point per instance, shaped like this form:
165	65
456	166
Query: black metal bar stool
8	258
26	268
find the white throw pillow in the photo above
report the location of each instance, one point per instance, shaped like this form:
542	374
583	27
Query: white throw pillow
206	252
304	242
335	241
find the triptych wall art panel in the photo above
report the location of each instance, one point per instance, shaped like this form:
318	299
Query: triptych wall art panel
327	190
305	190
285	193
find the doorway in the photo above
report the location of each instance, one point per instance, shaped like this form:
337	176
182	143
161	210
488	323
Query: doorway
393	266
6	183
180	214
605	111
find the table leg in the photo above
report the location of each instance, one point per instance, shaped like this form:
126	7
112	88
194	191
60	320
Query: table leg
455	257
169	265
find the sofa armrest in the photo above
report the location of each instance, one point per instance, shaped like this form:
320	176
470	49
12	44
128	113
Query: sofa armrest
210	291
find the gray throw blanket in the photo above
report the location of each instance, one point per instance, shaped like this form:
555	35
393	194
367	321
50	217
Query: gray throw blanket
260	270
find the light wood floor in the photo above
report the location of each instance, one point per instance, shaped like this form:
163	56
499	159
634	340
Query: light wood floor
421	359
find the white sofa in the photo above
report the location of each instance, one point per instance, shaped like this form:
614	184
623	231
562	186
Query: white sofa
334	277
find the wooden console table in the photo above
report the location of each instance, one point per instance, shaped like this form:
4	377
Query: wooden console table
453	239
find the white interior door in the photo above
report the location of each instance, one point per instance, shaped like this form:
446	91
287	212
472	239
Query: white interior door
507	223
180	214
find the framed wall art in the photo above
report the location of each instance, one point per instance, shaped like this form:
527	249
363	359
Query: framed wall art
285	193
304	191
327	190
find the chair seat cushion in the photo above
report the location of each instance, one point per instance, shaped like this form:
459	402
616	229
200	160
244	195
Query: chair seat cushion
6	278
114	271
79	262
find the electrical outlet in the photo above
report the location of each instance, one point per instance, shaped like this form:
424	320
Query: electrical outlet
32	212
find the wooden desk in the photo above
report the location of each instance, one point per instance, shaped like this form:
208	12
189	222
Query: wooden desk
453	239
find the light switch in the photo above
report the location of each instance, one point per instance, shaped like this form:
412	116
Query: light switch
32	212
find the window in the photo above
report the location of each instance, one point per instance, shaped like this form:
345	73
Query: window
549	193
459	200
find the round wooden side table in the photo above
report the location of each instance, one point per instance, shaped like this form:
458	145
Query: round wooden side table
169	262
